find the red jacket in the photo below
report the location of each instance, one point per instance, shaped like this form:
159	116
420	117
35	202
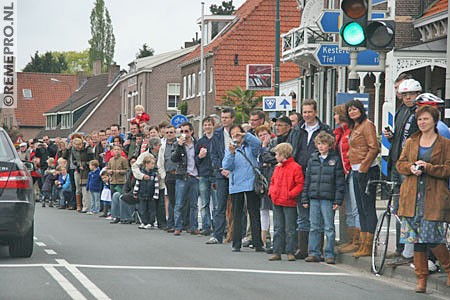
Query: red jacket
286	183
342	133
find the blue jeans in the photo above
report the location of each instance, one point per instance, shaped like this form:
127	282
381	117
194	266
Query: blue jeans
351	209
65	196
219	212
126	210
115	205
321	212
186	189
366	202
302	218
284	229
207	193
95	202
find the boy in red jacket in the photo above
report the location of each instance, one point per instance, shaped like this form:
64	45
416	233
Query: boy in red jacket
285	187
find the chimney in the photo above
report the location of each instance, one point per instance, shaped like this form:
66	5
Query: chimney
113	71
97	67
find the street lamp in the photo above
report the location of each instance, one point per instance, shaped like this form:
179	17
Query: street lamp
70	101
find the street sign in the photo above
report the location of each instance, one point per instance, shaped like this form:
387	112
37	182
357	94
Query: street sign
332	55
177	120
279	103
375	2
328	20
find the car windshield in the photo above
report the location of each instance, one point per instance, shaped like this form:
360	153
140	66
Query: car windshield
6	150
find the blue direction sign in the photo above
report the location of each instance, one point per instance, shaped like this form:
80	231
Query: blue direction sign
177	120
332	55
277	103
328	20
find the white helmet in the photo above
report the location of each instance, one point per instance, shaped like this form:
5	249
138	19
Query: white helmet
409	85
428	99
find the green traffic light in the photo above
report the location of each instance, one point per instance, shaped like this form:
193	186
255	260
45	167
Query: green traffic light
353	34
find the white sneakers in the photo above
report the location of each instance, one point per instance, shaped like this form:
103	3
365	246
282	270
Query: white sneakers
148	226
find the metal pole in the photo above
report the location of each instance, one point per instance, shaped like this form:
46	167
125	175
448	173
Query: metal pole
277	49
202	73
447	75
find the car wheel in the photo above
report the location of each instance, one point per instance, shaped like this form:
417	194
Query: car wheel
22	247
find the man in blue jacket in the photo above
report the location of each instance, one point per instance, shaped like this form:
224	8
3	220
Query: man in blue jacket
221	141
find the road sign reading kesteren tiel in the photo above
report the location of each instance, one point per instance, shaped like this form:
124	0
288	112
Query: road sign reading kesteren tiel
278	103
332	55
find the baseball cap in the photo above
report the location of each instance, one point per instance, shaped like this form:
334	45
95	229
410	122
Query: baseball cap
22	144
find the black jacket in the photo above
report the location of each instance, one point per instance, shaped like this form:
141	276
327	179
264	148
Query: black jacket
179	156
204	165
324	180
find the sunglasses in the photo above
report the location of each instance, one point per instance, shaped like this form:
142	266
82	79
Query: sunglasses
185	131
170	132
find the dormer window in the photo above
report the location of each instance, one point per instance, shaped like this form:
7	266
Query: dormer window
215	24
27	93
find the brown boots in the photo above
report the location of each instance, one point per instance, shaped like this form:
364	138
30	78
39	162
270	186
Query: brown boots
365	249
421	270
353	244
442	254
78	198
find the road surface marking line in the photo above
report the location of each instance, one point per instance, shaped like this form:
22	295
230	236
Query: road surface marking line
50	252
27	265
88	284
212	270
41	244
64	283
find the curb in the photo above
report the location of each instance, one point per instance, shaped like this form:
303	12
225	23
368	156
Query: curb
436	281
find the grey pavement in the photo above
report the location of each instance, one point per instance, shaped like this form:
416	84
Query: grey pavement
78	256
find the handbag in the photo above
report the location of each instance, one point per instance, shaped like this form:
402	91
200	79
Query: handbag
129	198
260	185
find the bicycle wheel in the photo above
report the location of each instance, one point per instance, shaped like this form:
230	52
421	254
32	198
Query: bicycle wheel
380	243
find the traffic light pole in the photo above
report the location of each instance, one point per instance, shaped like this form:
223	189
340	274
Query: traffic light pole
354	68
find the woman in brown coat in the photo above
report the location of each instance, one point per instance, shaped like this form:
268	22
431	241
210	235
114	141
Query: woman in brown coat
424	195
362	154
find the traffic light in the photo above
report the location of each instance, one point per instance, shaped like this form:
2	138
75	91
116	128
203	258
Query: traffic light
380	34
354	23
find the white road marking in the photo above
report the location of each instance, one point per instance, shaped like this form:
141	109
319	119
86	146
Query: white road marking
64	283
40	244
212	270
50	251
88	284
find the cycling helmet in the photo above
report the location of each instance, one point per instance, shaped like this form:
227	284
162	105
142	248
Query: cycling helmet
409	85
428	99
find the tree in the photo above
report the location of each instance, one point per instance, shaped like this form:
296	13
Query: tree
145	51
227	8
47	63
102	42
76	61
244	101
183	107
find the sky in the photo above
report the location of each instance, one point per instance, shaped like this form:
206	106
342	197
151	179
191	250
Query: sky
64	25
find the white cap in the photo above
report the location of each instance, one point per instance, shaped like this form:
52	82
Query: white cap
23	144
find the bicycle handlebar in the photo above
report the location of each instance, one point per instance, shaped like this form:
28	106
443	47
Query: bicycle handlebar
391	184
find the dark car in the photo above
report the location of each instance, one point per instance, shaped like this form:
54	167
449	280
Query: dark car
17	200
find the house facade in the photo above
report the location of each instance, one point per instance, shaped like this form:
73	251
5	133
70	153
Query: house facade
247	39
36	93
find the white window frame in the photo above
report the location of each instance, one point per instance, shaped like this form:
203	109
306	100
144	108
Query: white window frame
169	93
26	95
65	121
189	88
184	88
193	86
211	80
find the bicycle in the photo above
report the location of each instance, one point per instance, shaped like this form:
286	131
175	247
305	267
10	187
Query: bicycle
381	236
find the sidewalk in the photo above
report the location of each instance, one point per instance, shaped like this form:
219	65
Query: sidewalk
436	281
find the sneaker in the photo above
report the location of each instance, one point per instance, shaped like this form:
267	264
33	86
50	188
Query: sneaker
275	257
330	261
115	221
246	243
89	213
400	261
142	226
212	241
148	226
177	232
125	221
291	257
312	259
109	218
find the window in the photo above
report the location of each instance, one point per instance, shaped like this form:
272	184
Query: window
51	122
189	87
211	80
193	85
65	121
184	88
173	95
27	93
11	121
200	83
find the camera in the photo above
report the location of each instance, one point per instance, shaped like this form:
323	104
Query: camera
419	168
234	143
183	135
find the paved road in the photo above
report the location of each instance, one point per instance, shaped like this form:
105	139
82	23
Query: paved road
84	257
